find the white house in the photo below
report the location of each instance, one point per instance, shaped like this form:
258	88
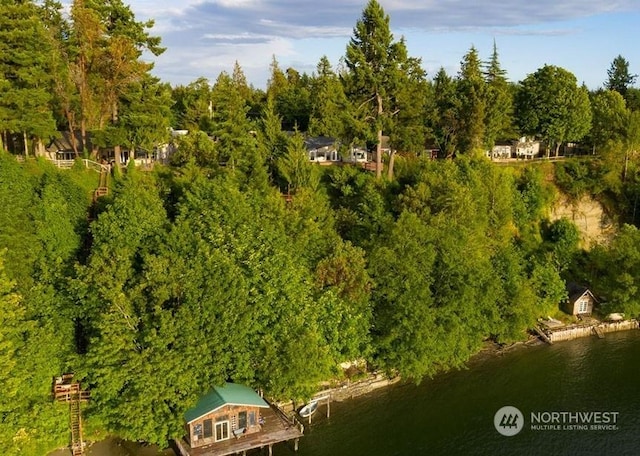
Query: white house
526	148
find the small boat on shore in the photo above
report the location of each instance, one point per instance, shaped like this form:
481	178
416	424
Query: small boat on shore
308	409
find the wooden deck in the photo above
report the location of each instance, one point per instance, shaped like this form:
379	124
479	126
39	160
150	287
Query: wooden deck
276	428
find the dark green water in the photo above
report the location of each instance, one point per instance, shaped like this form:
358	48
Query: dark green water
453	414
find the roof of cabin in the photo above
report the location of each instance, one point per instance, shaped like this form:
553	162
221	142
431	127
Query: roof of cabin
228	394
576	291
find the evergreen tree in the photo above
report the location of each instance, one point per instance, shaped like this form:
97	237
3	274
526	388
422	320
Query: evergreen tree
499	103
443	121
192	106
375	63
145	115
408	133
272	141
66	102
619	77
329	105
25	69
472	108
108	44
234	144
295	168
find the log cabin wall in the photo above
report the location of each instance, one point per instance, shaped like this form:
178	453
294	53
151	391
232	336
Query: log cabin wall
220	425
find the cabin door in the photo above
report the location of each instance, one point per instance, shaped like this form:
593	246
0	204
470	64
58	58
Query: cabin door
222	430
242	420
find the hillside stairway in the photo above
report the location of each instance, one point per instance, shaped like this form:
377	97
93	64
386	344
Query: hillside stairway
103	187
65	390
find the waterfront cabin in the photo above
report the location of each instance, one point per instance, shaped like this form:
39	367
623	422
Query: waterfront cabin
227	412
581	300
233	419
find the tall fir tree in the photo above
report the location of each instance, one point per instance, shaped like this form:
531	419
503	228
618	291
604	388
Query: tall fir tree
375	63
499	102
443	120
329	105
25	75
472	95
619	77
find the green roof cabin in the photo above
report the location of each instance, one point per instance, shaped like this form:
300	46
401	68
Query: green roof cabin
227	411
233	419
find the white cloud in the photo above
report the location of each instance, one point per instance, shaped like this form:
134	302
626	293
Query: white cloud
237	3
215	31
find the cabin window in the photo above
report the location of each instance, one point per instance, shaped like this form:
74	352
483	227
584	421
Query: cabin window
208	428
252	418
242	420
222	430
583	306
197	430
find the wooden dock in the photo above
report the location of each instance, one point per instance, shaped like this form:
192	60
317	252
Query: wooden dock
277	428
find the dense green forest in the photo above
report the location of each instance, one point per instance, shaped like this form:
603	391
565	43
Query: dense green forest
201	271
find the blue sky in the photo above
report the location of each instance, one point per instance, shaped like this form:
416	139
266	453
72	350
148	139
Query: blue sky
205	37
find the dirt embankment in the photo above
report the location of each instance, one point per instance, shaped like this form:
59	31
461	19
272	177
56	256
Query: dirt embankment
588	215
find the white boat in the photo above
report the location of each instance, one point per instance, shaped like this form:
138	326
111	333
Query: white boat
308	409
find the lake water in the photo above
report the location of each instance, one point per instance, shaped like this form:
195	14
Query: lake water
453	414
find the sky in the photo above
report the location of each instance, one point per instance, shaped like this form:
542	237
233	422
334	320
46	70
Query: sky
206	37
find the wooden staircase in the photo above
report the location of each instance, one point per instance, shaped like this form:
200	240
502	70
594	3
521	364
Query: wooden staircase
103	187
77	446
64	390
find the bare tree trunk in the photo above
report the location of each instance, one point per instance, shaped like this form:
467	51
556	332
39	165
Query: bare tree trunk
26	143
40	150
379	156
117	152
392	160
72	132
2	140
83	134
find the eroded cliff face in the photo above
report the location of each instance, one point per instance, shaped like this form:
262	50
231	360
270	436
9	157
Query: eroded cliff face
589	216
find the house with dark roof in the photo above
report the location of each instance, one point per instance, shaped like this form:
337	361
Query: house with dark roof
322	149
581	300
233	419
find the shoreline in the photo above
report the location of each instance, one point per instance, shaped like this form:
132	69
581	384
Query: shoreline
376	380
347	390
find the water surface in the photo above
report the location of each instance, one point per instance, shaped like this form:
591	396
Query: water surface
453	414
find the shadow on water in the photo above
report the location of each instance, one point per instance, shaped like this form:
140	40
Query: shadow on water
117	447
